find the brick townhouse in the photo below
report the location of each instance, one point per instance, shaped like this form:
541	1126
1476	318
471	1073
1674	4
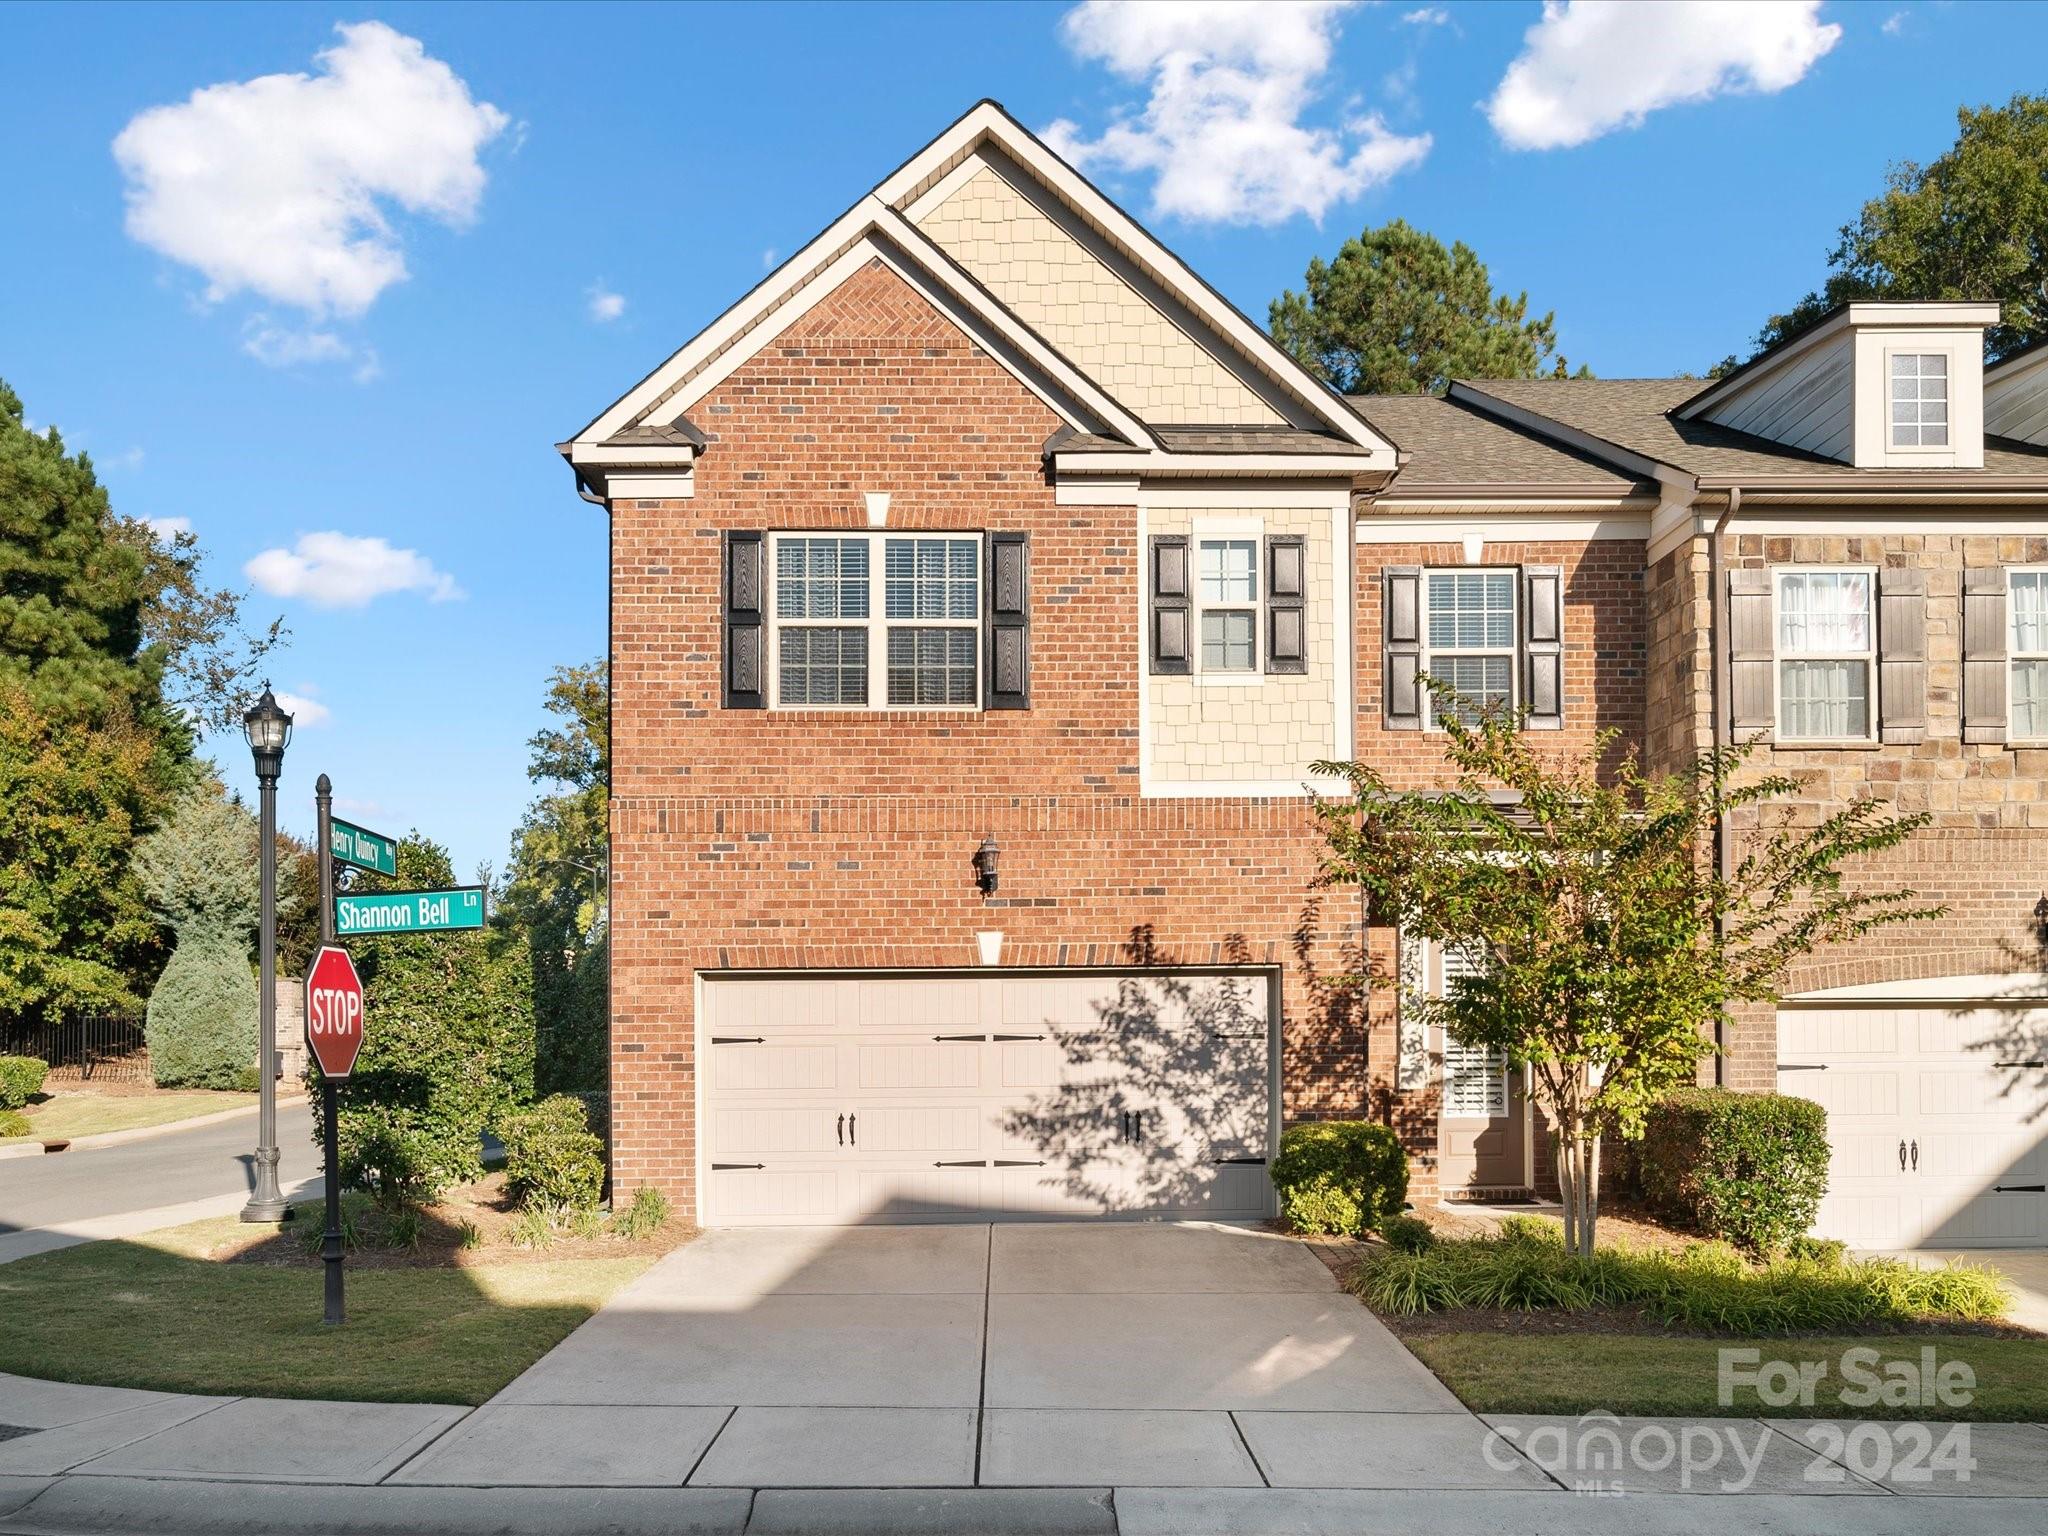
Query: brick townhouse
984	588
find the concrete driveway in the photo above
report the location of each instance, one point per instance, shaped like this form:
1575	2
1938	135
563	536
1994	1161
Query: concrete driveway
956	1356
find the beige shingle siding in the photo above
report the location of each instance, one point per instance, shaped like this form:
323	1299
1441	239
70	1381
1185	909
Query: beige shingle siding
1274	725
1085	309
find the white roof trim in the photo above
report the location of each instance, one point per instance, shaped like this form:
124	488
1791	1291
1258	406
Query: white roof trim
869	230
2023	987
986	120
1303	465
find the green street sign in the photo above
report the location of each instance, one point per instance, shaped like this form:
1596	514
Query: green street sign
448	911
363	848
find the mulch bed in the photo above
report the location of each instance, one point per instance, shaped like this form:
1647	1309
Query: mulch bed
484	1205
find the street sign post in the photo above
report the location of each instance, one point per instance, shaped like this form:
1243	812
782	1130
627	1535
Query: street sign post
447	911
363	848
334	1034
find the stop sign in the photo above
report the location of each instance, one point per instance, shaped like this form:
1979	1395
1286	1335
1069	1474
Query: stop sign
334	1011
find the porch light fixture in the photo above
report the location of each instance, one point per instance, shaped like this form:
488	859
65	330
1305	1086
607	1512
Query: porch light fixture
985	865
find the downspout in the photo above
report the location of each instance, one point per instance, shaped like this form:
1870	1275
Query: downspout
1717	693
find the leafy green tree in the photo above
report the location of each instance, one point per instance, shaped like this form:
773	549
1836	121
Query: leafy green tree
1970	224
198	872
560	858
448	1044
1607	944
75	792
212	659
1397	314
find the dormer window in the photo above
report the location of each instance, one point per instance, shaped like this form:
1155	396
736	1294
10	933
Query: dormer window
1919	399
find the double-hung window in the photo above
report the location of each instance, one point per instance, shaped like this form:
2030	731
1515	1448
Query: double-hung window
1826	629
877	621
1468	628
2027	605
1227	572
1919	399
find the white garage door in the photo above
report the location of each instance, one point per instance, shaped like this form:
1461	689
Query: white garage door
835	1099
1937	1115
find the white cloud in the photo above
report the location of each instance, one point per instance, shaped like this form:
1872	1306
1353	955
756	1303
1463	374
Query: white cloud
128	459
1893	24
304	710
1428	16
282	185
167	529
605	306
769	258
337	570
1592	66
1222	130
284	346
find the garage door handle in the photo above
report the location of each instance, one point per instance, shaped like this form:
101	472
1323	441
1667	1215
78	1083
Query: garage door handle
2021	1064
726	1167
2019	1189
1235	1160
1217	1034
1802	1066
977	1162
842	1130
853	1130
1124	1134
739	1039
959	1037
1916	1154
1041	1037
1902	1154
1138	1126
1018	1162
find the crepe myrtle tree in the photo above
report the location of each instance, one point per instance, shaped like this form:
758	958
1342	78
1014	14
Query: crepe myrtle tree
1607	941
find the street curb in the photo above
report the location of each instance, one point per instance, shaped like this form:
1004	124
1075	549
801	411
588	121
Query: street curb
137	1506
141	1132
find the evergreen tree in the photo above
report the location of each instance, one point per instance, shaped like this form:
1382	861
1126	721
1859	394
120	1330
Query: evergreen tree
199	872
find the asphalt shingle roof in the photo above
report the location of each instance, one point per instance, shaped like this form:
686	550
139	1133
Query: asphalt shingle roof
1446	443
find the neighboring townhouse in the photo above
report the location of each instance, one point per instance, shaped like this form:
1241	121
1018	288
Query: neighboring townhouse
984	588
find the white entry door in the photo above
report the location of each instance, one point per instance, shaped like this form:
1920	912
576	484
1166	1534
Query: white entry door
838	1099
1937	1118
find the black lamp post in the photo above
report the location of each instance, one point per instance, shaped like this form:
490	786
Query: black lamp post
268	728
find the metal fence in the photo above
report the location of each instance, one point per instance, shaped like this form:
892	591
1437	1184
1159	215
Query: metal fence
105	1048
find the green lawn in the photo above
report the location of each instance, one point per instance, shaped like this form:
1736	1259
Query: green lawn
66	1115
1574	1373
156	1312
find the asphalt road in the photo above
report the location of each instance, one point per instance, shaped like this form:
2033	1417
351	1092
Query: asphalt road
157	1171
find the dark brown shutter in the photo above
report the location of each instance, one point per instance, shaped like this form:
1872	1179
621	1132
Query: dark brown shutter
1286	603
746	628
1984	660
1902	656
1543	647
1401	631
1006	683
1750	654
1171	649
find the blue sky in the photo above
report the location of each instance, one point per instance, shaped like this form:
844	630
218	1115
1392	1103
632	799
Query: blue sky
572	191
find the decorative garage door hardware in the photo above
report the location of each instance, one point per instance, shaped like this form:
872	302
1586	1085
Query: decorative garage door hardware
988	1037
2004	1064
1231	1162
1250	1034
1134	1125
1000	1162
2019	1189
729	1167
739	1039
1916	1155
1802	1066
849	1130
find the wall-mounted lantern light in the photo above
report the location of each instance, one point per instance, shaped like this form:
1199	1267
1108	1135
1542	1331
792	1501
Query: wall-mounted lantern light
985	865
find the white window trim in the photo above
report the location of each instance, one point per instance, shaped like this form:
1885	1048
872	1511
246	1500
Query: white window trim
1212	530
1892	446
1514	646
2014	655
877	623
1497	1089
1779	658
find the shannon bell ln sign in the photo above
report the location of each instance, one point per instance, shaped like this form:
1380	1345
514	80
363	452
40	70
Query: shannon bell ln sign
444	911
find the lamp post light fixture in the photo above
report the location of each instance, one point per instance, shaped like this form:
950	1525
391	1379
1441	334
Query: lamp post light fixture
268	728
985	865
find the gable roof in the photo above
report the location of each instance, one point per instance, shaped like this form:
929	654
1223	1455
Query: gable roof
1629	423
876	225
1452	446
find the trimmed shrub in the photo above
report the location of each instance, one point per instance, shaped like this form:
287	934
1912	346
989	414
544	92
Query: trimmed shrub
551	1160
647	1214
14	1123
1827	1252
1410	1234
1342	1176
401	1156
1749	1168
201	1021
21	1079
